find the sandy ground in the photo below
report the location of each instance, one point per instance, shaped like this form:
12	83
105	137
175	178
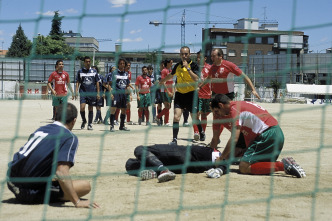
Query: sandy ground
102	155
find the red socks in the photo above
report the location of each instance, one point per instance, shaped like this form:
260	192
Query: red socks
265	168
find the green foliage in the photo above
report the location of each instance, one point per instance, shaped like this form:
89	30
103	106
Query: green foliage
50	46
20	46
151	58
275	84
56	32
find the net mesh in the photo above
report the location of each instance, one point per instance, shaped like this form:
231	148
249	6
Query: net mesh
102	155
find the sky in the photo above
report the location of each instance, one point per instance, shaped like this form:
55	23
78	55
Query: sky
126	22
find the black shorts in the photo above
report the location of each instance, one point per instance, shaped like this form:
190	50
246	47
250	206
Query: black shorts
119	101
158	98
186	101
91	101
29	195
100	102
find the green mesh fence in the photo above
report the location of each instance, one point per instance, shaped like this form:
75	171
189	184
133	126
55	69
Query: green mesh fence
102	155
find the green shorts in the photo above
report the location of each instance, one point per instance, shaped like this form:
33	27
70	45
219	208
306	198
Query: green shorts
165	97
56	101
266	147
204	105
145	100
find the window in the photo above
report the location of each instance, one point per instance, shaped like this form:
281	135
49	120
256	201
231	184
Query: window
270	53
231	39
258	40
270	40
244	53
231	53
244	39
258	52
219	40
298	78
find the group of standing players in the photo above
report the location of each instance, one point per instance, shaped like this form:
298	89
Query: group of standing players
190	85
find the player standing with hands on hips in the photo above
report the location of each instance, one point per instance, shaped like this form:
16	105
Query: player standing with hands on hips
35	160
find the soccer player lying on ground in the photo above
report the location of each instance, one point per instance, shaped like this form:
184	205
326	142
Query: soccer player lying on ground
263	137
34	162
159	156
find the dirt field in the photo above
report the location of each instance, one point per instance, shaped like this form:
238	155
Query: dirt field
102	155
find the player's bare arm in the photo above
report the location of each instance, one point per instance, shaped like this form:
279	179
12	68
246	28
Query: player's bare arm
251	85
167	78
137	93
230	146
98	90
67	186
77	87
50	87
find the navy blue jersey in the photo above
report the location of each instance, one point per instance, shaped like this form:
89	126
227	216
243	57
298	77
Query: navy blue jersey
87	79
119	80
35	158
152	77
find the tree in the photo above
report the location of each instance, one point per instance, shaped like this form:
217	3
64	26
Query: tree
56	32
20	46
275	84
49	46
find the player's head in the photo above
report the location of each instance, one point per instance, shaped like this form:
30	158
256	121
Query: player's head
122	63
128	66
96	68
150	69
217	55
144	70
168	63
67	114
185	53
87	62
199	54
59	65
220	105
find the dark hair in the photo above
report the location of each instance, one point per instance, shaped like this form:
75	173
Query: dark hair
144	67
166	62
86	57
58	61
70	113
97	69
122	59
219	51
219	98
150	67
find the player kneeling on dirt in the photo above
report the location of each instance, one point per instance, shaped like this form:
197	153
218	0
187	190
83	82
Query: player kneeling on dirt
263	138
49	146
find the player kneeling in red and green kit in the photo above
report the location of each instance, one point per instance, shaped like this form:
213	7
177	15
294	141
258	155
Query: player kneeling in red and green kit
263	137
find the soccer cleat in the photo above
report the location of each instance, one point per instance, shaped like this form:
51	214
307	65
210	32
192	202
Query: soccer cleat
202	136
90	127
112	129
130	123
148	123
100	122
186	124
95	121
292	168
116	122
173	142
167	125
196	136
83	125
165	176
139	121
159	122
124	129
147	174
